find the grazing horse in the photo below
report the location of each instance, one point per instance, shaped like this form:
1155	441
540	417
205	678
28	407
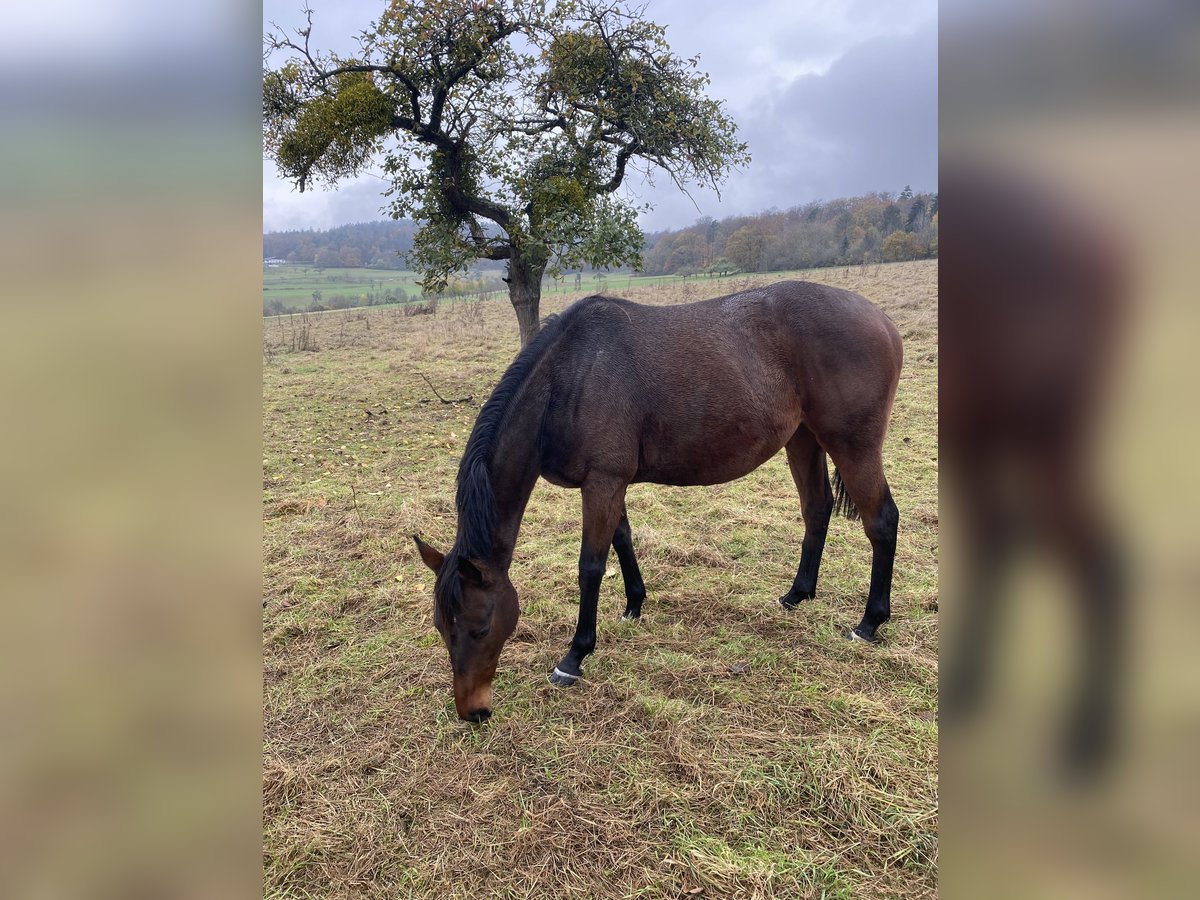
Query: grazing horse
612	392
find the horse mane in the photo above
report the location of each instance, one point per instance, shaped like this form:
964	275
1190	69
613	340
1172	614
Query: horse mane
474	498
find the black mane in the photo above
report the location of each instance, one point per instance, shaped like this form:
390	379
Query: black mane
475	499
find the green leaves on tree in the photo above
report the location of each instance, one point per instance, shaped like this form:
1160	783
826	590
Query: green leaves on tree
505	127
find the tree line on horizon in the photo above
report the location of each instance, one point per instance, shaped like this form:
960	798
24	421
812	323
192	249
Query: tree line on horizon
875	227
373	245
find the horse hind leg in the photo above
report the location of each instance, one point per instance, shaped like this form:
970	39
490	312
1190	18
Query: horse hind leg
862	475
806	459
631	574
1085	543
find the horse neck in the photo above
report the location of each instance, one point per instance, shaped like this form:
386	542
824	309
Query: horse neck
514	470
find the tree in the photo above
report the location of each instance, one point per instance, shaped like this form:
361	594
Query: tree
687	253
327	257
916	216
907	193
865	248
722	267
901	245
892	219
710	228
745	247
506	128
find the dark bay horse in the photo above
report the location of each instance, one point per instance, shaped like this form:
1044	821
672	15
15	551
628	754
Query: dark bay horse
1035	300
612	392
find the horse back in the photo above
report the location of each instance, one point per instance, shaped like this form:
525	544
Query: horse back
705	392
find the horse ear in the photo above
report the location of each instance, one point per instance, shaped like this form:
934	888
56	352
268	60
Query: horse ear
471	571
429	556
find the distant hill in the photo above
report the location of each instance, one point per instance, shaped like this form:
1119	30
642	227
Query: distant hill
876	227
379	245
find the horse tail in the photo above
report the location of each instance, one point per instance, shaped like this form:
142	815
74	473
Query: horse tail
842	504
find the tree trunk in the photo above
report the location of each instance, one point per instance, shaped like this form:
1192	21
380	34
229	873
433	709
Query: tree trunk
525	292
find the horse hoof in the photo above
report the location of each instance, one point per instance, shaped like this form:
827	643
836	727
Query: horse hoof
789	605
631	616
855	635
559	678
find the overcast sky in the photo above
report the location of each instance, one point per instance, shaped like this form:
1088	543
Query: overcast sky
834	97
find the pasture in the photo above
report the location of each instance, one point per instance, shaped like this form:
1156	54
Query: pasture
720	747
294	286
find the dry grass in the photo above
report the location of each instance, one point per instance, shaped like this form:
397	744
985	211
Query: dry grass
721	747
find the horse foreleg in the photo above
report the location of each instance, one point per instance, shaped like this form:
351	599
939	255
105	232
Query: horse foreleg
602	506
635	588
990	525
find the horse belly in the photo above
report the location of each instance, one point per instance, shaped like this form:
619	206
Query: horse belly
711	452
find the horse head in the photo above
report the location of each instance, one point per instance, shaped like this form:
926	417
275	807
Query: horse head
475	611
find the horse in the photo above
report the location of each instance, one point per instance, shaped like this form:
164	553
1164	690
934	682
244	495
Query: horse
612	392
1035	300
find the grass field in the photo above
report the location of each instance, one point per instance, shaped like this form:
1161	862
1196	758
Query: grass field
294	285
721	747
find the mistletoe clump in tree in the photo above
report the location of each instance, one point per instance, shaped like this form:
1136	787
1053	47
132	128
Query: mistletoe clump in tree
506	128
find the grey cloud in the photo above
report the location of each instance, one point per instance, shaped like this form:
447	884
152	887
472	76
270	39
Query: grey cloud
865	121
891	79
284	208
868	123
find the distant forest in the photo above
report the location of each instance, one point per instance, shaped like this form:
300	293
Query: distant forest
877	227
